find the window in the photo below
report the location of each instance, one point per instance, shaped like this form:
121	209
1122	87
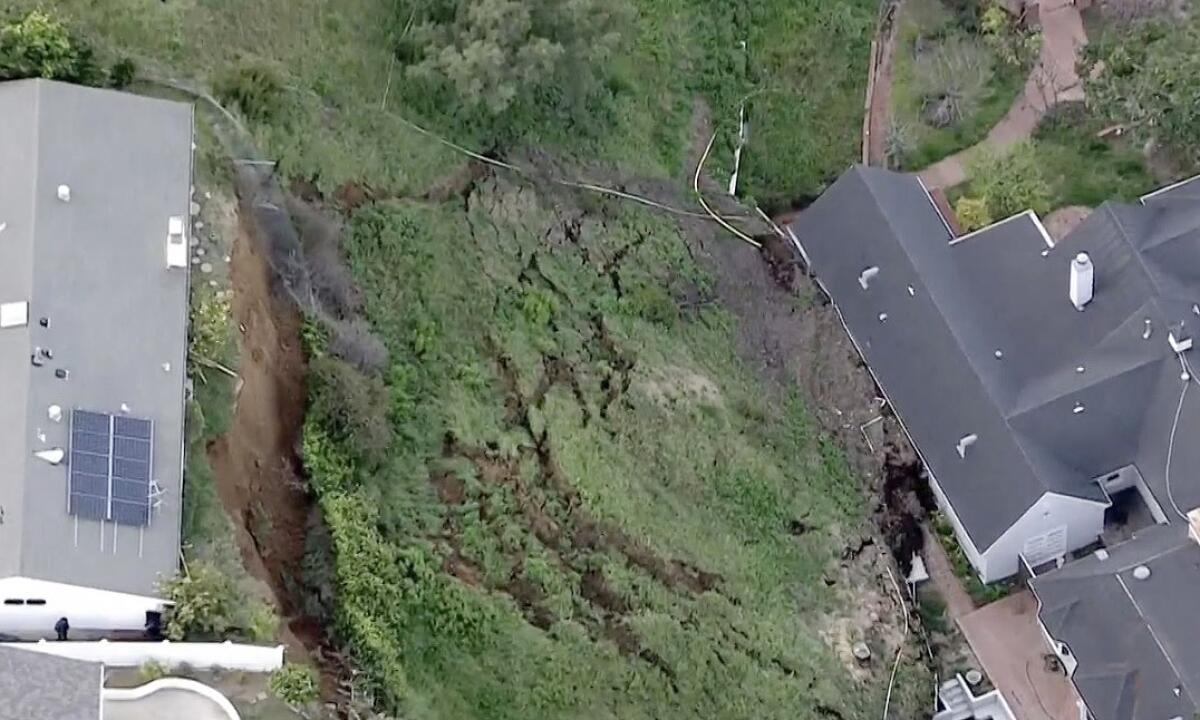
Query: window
14	601
36	601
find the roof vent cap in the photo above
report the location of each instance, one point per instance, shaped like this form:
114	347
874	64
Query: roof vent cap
1101	554
54	456
54	412
865	277
965	442
64	193
1141	572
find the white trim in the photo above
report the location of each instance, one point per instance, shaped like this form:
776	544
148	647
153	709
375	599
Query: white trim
1028	213
1041	228
1162	190
131	695
936	209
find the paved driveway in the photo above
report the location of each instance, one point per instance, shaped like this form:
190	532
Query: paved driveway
1009	644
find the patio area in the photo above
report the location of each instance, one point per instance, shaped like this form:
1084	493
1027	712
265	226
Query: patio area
1011	648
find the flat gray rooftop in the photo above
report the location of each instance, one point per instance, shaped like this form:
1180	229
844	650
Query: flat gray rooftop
107	323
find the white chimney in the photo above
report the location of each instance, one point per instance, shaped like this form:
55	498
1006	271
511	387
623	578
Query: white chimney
1082	274
1193	517
64	193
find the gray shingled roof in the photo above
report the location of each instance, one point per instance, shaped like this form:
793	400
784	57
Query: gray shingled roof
37	686
1004	290
96	269
1137	641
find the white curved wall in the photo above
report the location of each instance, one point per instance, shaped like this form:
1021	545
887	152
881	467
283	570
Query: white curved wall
204	656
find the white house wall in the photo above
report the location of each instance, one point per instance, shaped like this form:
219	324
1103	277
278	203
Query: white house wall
964	540
1082	520
91	613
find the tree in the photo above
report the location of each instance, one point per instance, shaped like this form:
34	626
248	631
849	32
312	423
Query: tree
496	52
39	46
1150	81
1011	43
1009	182
972	213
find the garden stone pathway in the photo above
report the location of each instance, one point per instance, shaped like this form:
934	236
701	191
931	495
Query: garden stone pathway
1052	80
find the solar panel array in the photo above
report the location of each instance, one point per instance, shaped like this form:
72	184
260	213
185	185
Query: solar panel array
111	457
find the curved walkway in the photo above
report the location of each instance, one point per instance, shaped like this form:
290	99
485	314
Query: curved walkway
168	698
1052	80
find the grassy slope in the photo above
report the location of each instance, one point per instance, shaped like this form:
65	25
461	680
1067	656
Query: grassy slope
693	460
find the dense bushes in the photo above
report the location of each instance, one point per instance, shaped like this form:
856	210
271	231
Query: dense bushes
294	685
208	605
39	46
497	53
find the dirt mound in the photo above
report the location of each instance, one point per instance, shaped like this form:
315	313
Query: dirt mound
257	471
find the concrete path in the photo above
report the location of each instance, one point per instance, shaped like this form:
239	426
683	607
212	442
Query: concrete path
941	574
1052	80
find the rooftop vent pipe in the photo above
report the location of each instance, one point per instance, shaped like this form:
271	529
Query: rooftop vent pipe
966	442
865	277
64	193
54	456
1082	280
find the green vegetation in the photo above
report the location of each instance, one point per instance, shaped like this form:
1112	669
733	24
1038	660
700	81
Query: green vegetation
980	593
39	46
295	685
1011	181
950	84
152	670
562	494
608	488
208	606
972	213
932	610
1147	77
1083	169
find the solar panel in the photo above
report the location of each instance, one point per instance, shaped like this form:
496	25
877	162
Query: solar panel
130	513
110	467
132	428
86	506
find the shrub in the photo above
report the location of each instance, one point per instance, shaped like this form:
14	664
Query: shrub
255	90
151	670
972	213
353	407
951	80
208	605
204	603
898	143
39	46
210	325
1010	182
122	74
1011	43
294	685
495	53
